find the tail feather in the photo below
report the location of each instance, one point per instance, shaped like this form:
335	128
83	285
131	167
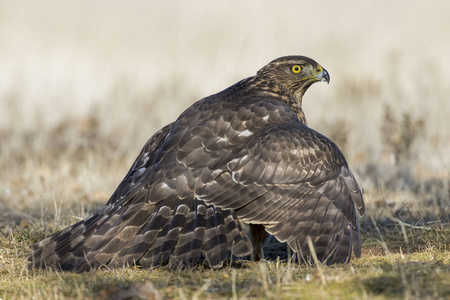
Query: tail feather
215	247
142	241
188	250
105	244
55	249
237	239
145	234
71	259
166	239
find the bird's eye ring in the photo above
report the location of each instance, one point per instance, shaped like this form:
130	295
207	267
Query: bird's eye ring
296	69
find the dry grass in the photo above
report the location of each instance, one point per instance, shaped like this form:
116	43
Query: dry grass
387	269
78	100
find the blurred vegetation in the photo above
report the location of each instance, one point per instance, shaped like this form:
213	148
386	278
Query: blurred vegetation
399	136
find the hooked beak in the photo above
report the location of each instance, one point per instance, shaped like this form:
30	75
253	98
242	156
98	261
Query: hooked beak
323	75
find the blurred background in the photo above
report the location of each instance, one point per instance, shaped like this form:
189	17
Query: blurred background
83	85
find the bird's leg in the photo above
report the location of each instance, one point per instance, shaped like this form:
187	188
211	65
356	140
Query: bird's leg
259	236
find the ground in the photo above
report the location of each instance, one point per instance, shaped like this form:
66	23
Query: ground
386	270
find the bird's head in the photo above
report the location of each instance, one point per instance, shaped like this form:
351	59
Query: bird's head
294	74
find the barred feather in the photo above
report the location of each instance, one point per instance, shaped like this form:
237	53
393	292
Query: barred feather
244	155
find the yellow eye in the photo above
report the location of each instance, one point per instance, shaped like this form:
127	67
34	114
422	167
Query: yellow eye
296	69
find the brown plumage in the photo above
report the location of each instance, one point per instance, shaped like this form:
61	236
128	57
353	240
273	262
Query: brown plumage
242	155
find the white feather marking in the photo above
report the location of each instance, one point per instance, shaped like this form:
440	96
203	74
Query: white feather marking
234	177
140	171
246	132
265	118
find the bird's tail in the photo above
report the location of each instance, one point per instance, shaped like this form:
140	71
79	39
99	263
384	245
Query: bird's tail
174	231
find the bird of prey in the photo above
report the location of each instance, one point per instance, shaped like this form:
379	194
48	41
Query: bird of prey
242	156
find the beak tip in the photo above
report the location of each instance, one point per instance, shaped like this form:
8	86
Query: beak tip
326	76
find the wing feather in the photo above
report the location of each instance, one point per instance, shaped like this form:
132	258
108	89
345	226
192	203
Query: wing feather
222	162
311	179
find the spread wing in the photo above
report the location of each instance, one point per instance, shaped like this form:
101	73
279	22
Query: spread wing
151	219
220	163
293	181
260	161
